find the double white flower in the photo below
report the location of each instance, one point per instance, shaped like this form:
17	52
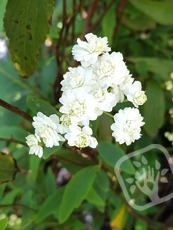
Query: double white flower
34	143
46	131
127	126
81	137
87	52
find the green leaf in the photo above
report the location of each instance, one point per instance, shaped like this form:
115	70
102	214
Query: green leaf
8	168
26	24
50	182
13	132
50	205
94	198
71	160
154	108
110	154
2	11
74	157
3	223
49	151
161	67
108	30
9	197
104	128
98	193
102	181
135	20
36	104
140	225
158	10
76	191
34	166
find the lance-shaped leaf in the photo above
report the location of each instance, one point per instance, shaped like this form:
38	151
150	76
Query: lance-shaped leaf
8	168
26	24
76	191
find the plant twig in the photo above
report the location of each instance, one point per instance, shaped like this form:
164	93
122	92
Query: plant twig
16	205
61	43
99	20
12	140
119	14
90	12
15	109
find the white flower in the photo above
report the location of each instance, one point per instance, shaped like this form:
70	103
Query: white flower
65	122
111	68
87	52
128	80
47	129
81	137
105	100
118	94
78	78
127	126
135	94
33	142
79	106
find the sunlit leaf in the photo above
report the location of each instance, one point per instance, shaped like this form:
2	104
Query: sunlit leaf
119	218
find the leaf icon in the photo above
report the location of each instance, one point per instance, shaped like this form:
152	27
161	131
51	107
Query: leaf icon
137	163
164	180
137	175
132	188
144	160
157	165
130	180
164	171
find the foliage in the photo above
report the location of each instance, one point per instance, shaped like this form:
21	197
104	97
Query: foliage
73	188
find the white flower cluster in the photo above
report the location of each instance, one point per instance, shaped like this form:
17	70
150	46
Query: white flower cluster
100	81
